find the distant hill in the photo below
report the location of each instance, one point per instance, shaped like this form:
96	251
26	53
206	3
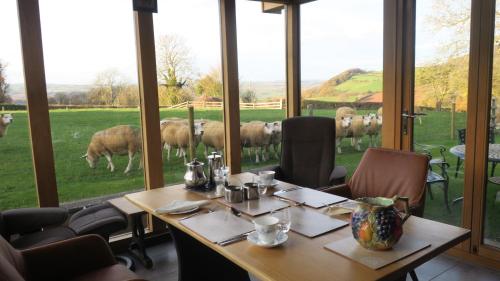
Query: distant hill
16	91
348	86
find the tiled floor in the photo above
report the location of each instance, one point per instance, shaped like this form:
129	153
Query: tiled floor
441	268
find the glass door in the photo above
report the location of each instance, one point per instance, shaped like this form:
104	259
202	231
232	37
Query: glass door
489	214
440	102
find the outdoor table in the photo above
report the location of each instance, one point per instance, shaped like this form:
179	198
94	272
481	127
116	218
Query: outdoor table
493	157
493	153
301	257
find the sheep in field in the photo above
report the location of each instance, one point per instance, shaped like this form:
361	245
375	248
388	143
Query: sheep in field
342	126
213	136
359	127
120	140
344	111
176	135
5	120
373	131
276	138
256	135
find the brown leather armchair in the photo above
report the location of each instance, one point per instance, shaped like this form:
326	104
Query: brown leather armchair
308	153
385	172
83	258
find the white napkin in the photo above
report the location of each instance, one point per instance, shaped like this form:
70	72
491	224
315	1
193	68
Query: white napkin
180	206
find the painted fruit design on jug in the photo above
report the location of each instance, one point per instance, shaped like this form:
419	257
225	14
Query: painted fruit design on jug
376	223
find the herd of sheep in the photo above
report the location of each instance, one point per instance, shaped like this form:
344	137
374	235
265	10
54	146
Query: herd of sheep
256	136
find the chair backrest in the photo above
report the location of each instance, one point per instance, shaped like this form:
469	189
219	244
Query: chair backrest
11	262
386	173
463	132
308	150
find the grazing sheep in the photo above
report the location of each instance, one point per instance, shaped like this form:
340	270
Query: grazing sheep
342	126
345	111
120	140
5	120
276	138
374	129
176	134
213	136
360	125
256	134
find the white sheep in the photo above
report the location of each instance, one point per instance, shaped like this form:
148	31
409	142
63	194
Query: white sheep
5	120
344	111
360	124
213	136
342	126
256	135
373	131
176	135
120	140
276	138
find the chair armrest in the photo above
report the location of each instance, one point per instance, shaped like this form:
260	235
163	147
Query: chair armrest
28	220
67	259
338	175
339	190
275	168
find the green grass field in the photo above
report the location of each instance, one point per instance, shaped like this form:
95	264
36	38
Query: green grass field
71	132
362	83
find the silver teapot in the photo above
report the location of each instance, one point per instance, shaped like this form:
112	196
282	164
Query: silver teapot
195	175
214	163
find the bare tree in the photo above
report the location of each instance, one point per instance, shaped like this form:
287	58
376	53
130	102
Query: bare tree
107	86
174	61
4	87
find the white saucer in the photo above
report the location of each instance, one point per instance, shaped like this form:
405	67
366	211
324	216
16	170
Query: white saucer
254	239
273	184
195	208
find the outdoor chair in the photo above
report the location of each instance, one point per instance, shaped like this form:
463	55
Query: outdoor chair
441	177
83	258
308	153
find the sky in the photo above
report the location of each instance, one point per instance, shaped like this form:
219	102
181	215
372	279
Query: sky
84	37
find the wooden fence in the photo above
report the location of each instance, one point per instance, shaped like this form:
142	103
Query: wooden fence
243	105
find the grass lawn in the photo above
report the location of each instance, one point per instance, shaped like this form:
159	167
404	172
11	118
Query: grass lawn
362	83
72	129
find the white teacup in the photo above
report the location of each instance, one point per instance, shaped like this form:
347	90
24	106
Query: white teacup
267	228
266	177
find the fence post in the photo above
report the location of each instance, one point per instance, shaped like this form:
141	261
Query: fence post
452	125
281	103
493	117
3	108
191	132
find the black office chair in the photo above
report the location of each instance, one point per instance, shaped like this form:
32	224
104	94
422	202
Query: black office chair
308	153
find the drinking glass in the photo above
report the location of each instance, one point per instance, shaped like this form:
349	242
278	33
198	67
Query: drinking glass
285	219
262	188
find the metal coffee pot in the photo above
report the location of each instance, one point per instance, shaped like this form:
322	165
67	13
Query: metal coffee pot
214	163
195	175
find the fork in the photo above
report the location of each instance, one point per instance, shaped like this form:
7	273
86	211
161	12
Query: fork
197	213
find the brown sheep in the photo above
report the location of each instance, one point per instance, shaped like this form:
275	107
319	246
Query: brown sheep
120	140
344	111
360	125
5	120
213	136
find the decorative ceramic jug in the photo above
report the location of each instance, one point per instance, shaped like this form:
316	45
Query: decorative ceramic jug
376	223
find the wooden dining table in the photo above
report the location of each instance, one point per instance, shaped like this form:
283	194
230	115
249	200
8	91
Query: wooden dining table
302	258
